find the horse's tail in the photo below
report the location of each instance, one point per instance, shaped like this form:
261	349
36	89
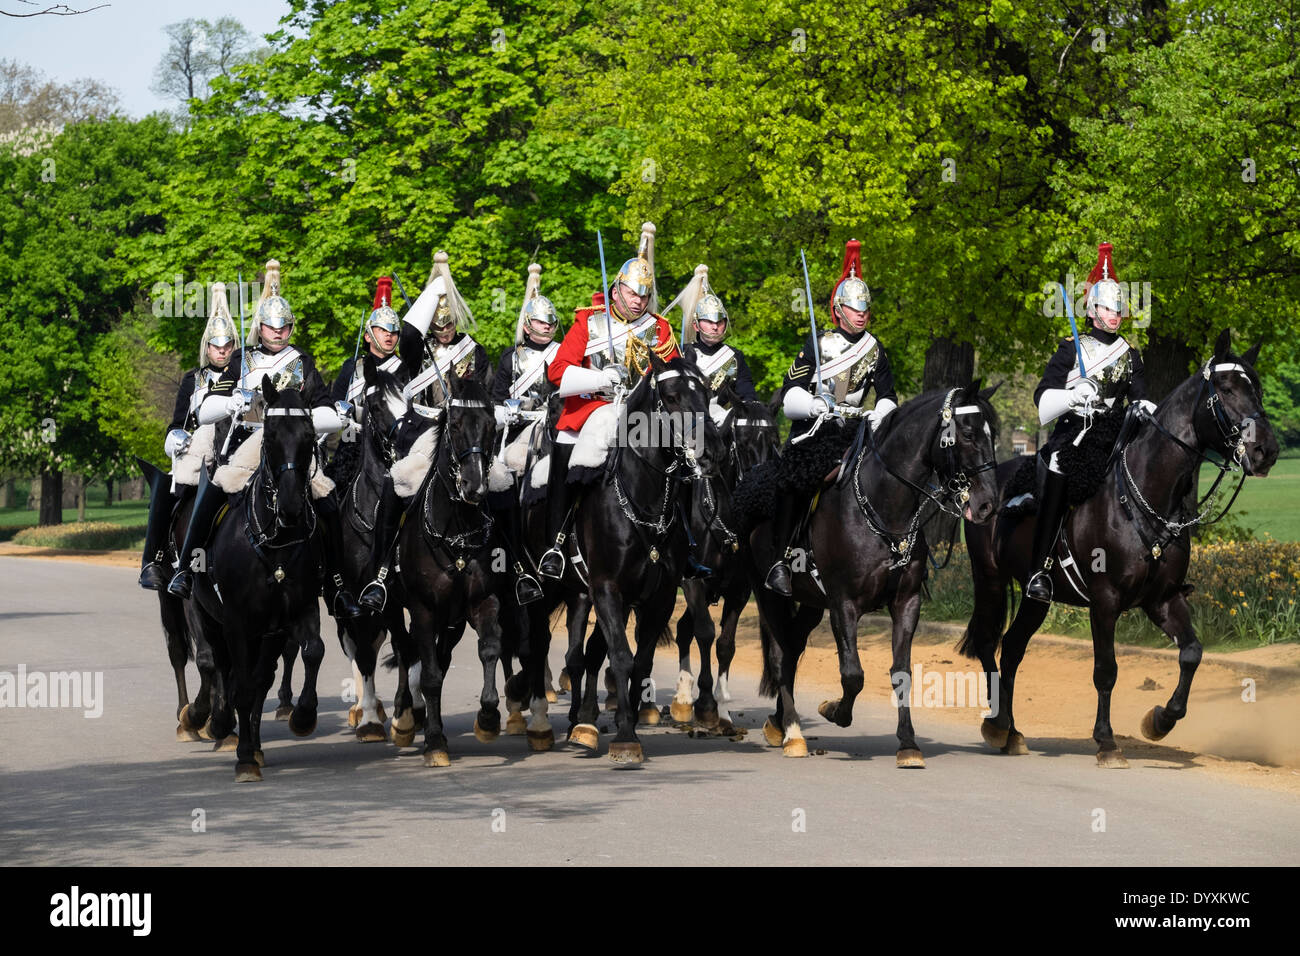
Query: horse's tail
970	644
995	595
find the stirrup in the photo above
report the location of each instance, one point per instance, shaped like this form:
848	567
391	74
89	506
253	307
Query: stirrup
343	605
1039	586
375	595
151	577
552	563
778	579
527	590
695	570
182	584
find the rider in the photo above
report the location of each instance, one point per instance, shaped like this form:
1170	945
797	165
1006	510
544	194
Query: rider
434	330
237	396
521	385
1114	377
704	327
215	349
852	363
585	375
382	331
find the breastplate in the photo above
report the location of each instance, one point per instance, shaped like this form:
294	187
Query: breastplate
527	362
852	381
283	375
646	333
1113	377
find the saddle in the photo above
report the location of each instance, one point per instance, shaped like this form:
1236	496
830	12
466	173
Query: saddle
235	475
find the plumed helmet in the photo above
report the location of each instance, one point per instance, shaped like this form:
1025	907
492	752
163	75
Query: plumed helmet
851	291
272	308
383	316
220	329
699	303
639	274
1104	291
537	308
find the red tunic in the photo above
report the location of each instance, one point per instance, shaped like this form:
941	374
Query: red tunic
573	351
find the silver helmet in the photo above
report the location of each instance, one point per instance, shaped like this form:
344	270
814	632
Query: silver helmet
384	317
639	274
272	309
220	329
852	293
699	304
537	308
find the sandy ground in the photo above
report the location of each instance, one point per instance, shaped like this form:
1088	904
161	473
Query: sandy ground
1252	742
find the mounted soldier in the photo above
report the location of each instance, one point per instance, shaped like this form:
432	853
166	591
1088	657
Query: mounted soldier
383	329
434	342
852	363
608	351
237	396
520	392
704	330
1088	405
215	348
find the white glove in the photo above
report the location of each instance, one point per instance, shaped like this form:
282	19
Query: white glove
877	415
1083	392
420	314
800	403
177	440
344	409
1148	406
217	407
505	415
579	381
326	420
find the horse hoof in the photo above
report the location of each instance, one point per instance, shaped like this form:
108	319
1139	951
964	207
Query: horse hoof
248	773
540	741
726	728
437	758
379	705
626	753
354	715
301	730
585	736
681	711
911	758
1150	730
227	745
284	711
772	733
260	758
1111	760
484	736
185	723
994	736
402	738
794	747
827	709
551	696
648	715
371	733
516	725
186	736
1015	745
611	702
566	686
708	720
205	732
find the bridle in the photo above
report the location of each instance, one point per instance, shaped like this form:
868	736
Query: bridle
267	483
952	495
465	543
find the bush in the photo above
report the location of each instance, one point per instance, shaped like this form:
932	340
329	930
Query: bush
84	536
1246	594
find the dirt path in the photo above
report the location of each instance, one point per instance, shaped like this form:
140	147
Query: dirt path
116	559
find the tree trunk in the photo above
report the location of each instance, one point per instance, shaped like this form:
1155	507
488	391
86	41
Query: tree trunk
108	492
948	364
51	497
7	493
83	489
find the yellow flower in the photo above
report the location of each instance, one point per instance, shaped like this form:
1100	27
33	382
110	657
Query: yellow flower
1232	611
1244	604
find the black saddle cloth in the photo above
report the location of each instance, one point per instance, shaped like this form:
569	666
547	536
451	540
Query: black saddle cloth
1084	465
799	472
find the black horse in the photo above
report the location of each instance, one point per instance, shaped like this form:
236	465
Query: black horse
750	436
866	547
453	573
262	580
1134	525
627	550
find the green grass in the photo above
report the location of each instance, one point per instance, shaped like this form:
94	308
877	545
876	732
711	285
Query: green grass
128	519
1267	505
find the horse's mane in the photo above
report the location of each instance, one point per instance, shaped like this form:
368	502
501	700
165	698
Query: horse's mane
930	402
639	395
471	390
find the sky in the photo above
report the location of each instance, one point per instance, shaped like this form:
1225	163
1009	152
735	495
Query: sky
119	44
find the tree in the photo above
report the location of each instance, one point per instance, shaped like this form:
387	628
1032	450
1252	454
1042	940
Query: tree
199	51
29	99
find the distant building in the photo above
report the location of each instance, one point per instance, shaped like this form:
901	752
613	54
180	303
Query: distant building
1023	442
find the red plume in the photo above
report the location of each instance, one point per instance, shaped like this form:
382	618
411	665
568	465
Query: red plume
852	266
384	292
1105	265
598	299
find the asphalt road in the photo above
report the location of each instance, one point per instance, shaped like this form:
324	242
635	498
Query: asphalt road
118	789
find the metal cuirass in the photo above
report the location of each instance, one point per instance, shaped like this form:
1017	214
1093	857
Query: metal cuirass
718	368
645	330
285	369
1112	372
530	364
849	385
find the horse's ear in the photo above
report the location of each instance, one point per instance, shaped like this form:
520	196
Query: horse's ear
269	392
974	387
368	368
1222	343
656	363
1252	356
987	393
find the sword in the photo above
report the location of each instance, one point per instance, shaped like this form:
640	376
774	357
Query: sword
1074	330
817	356
446	395
609	306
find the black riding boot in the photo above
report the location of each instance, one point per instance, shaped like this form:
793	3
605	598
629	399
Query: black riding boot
1051	512
778	577
161	503
388	520
527	589
206	505
559	499
338	598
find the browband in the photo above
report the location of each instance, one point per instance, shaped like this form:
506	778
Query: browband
291	412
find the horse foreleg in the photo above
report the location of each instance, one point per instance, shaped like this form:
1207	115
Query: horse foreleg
844	625
485	619
999	729
172	613
612	617
245	692
905	610
1104	672
684	696
726	650
302	721
285	695
706	705
1175	619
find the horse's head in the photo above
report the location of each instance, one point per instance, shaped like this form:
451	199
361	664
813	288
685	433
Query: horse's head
288	451
467	437
675	398
751	435
962	450
1231	418
382	404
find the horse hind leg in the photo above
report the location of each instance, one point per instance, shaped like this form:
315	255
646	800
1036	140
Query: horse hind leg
726	651
999	728
1175	619
285	694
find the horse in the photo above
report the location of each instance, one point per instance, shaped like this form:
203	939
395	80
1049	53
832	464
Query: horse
452	574
750	435
1134	522
867	536
262	581
627	550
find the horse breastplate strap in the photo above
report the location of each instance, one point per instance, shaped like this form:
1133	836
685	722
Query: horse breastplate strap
719	367
530	383
1111	366
847	366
